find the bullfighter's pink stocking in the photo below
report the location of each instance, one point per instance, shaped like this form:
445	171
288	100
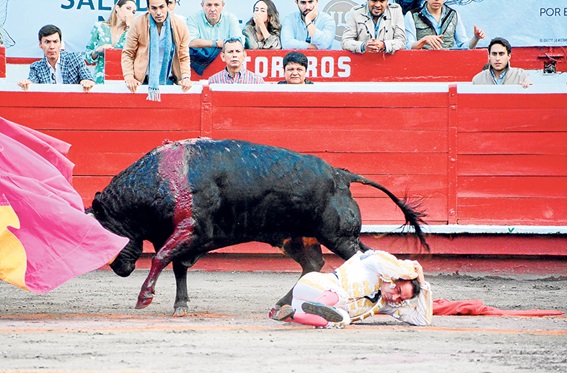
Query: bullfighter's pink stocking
329	298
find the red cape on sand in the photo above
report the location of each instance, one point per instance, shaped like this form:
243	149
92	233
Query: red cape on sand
475	307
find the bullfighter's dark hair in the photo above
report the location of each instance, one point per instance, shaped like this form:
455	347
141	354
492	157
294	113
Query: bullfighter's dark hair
49	30
502	42
416	287
295	57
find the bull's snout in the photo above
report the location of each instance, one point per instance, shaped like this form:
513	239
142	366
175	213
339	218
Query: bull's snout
122	268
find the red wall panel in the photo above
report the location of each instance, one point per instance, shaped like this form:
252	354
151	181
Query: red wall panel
473	158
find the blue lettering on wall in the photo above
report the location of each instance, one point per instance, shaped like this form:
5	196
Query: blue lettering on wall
101	5
86	2
69	6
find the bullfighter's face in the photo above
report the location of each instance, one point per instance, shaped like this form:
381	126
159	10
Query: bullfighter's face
397	291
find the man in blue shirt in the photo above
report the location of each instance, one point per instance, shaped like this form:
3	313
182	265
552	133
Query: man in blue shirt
210	26
309	28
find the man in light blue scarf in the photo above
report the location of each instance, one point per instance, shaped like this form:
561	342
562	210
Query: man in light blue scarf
157	51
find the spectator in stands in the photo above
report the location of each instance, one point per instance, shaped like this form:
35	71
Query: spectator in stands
109	34
499	71
156	51
408	5
374	27
210	26
233	54
308	28
437	26
57	66
263	30
295	68
171	5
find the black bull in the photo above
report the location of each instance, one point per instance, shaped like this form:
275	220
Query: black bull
190	197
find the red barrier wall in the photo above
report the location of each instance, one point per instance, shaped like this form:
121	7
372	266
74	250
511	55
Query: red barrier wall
475	158
343	66
403	66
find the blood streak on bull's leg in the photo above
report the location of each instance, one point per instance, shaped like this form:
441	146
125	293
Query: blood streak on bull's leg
172	167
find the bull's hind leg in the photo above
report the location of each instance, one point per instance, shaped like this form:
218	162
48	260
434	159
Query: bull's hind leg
180	307
307	252
181	236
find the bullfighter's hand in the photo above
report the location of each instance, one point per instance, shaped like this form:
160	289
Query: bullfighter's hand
419	270
131	83
87	85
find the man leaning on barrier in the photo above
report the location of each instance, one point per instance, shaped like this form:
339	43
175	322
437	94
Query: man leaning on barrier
157	51
499	71
374	27
56	66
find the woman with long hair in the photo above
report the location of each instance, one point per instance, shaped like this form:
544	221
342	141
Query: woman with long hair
109	34
263	29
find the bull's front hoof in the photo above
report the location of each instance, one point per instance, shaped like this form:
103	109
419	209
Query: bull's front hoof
180	311
144	301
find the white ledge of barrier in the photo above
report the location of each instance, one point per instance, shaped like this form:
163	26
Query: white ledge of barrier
341	87
469	88
117	87
469	229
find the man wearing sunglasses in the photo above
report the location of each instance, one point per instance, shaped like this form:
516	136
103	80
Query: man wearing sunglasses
374	27
366	284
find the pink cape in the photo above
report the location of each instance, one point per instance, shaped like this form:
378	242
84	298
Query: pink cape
45	236
475	307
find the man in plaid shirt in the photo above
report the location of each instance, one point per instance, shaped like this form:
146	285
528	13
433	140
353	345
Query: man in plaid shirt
57	67
233	55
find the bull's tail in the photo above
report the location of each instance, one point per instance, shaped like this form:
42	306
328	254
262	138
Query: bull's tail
413	214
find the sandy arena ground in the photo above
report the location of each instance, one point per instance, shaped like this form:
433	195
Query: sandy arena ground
90	324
